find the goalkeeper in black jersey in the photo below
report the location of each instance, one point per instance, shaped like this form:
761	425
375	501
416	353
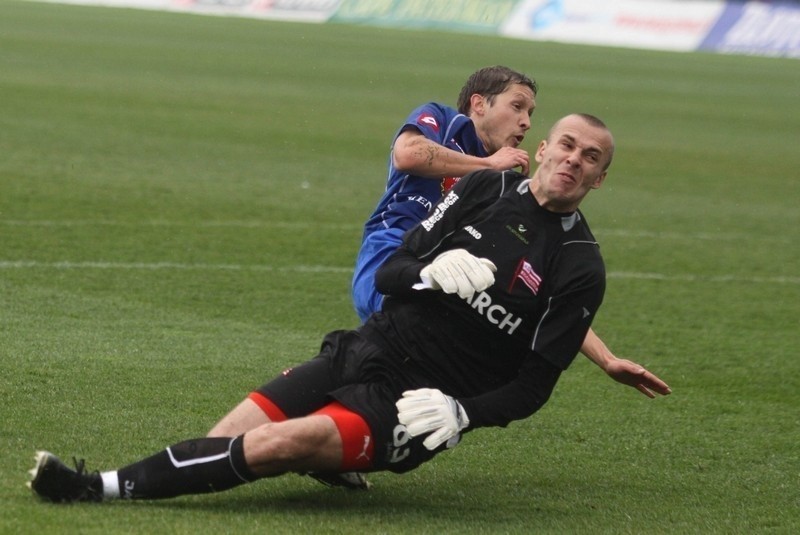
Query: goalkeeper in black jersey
489	300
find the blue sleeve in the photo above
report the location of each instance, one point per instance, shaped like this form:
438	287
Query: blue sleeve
430	120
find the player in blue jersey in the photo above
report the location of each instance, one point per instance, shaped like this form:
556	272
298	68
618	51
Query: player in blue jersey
436	146
489	299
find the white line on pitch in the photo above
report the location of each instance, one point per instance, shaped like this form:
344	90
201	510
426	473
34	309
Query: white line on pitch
702	278
302	268
601	232
66	265
166	223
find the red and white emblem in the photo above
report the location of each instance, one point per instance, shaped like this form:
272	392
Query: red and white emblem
428	120
528	276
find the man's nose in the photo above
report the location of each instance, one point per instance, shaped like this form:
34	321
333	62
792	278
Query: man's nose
574	158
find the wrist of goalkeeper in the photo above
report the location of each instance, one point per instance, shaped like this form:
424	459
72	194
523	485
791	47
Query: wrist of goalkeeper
428	410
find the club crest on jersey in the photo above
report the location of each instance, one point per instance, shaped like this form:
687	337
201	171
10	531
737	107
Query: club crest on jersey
429	120
528	276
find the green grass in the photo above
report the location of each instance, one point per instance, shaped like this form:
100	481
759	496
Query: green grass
180	206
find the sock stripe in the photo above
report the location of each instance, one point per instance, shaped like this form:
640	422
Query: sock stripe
190	462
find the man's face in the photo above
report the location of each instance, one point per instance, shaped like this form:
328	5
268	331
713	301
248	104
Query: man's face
571	161
504	121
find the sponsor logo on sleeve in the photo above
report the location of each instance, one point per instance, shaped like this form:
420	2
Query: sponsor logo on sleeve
428	120
439	211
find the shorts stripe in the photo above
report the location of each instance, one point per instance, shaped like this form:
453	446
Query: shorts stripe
270	409
357	444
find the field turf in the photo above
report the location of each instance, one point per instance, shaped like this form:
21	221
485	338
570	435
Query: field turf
180	206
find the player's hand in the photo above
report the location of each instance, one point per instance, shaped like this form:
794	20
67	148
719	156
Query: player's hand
458	271
428	410
635	375
510	158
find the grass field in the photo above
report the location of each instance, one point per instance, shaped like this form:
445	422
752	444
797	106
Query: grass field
180	206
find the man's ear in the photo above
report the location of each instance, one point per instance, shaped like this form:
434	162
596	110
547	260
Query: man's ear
599	180
477	104
539	155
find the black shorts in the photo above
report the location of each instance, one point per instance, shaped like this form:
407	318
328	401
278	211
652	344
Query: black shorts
365	379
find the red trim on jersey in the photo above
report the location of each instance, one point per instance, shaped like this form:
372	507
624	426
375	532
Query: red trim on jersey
270	409
357	443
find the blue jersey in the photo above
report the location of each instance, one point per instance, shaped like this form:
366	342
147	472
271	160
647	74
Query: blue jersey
408	198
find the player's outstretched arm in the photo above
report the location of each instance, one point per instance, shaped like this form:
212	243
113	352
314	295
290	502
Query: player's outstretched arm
414	153
623	371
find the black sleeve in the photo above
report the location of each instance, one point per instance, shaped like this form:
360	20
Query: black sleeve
399	273
576	298
515	400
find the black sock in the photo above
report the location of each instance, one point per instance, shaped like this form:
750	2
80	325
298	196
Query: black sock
191	467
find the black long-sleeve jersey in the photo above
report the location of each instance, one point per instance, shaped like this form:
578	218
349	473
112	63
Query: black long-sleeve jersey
500	352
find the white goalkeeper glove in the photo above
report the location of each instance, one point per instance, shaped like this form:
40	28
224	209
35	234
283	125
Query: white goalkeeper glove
458	271
429	410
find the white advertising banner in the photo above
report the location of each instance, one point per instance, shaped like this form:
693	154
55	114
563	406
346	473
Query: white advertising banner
765	27
658	24
297	10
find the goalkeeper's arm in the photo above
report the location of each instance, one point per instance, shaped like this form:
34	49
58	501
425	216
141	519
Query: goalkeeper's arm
517	399
454	271
428	410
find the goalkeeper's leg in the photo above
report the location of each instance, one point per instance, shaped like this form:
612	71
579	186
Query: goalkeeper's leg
257	409
216	464
206	464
